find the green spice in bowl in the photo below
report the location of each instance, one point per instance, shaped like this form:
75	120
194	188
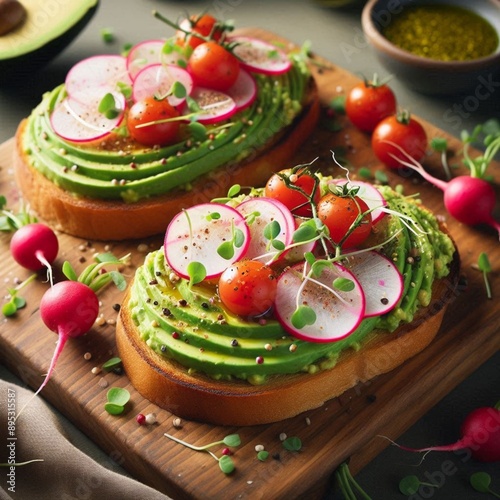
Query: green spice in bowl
439	47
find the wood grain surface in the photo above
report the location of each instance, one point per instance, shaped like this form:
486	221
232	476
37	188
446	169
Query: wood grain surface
346	427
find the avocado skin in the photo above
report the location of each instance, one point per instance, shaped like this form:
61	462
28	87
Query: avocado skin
20	69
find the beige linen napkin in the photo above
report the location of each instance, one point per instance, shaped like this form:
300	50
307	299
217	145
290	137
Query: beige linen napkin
66	472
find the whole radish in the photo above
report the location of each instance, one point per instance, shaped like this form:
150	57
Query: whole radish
480	433
70	308
35	246
468	199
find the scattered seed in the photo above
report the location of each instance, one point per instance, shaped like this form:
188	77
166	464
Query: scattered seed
87	356
177	423
259	447
96	370
151	418
141	419
283	436
103	382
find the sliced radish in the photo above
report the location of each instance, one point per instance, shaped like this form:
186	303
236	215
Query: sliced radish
259	56
261	213
214	106
197	233
370	195
158	79
78	121
244	90
381	281
94	72
337	313
149	52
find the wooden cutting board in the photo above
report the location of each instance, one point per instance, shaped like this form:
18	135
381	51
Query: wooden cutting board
346	427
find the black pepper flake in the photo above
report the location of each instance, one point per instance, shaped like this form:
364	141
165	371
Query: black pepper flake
163	348
371	398
118	370
158	273
220	317
155	303
234	343
276	456
204	305
182	302
116	307
166	311
384	300
153	282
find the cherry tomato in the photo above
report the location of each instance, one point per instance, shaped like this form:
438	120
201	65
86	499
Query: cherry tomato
212	66
204	25
402	130
298	202
369	103
339	212
152	110
248	288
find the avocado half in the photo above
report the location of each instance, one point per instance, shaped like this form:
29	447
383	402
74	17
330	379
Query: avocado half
48	28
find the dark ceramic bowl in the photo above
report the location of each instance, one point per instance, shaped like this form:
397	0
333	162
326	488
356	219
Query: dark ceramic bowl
426	75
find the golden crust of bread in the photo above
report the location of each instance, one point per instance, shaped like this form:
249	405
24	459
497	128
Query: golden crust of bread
200	398
116	220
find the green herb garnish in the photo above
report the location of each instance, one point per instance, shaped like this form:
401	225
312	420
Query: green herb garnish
117	399
484	266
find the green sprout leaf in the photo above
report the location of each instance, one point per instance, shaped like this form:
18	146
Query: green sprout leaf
409	485
232	440
234	190
484	266
319	266
198	131
16	302
125	89
344	284
107	35
292	443
238	238
272	230
69	271
226	250
111	364
197	272
226	464
303	316
263	455
381	177
178	90
107	106
118	396
481	481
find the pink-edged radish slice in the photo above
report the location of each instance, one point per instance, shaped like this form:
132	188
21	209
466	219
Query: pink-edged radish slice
259	56
336	313
103	71
264	216
244	90
78	121
381	281
214	106
296	253
370	195
150	52
157	80
197	233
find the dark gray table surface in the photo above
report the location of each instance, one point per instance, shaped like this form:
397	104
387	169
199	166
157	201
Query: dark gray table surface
336	35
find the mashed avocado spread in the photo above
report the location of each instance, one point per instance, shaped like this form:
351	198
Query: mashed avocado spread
124	170
190	325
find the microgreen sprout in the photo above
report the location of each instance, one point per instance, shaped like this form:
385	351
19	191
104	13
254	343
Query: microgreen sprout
226	463
15	301
347	482
292	443
10	221
95	275
107	35
111	364
107	106
263	455
481	481
117	399
226	249
409	485
484	266
440	145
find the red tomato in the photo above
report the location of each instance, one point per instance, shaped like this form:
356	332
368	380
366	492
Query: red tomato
248	288
339	212
204	25
404	131
152	110
212	66
297	201
368	103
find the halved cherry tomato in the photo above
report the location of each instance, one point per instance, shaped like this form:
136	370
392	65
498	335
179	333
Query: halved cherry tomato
368	103
402	130
298	201
338	214
151	110
204	25
248	288
213	66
